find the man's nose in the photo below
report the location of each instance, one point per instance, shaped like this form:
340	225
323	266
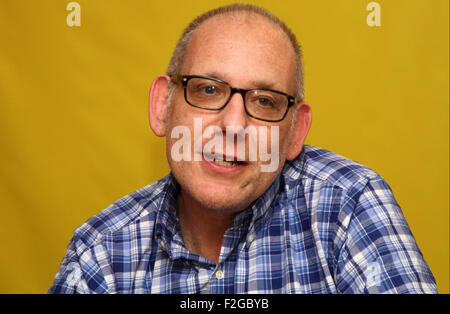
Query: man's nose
234	115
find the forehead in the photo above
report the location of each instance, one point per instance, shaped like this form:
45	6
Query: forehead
242	48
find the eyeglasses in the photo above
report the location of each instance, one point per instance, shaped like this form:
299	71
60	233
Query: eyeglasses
214	94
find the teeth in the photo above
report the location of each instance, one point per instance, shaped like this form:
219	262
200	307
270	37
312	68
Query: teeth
225	163
222	162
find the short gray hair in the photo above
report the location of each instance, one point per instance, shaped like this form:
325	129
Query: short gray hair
182	45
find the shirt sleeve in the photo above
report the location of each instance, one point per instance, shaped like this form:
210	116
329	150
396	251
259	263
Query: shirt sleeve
69	279
380	254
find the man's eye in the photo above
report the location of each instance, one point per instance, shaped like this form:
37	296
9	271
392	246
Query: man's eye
210	90
265	102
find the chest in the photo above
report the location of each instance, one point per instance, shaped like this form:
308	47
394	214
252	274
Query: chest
283	257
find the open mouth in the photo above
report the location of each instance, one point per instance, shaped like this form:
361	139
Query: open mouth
227	163
223	161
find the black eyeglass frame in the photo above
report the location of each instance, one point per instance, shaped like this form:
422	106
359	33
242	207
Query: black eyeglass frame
184	79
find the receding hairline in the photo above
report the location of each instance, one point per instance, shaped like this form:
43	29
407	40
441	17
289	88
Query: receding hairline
244	16
237	10
240	18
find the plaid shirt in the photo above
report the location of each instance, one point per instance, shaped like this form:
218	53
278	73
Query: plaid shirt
326	225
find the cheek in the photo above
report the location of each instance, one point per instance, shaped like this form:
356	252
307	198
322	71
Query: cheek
285	133
174	118
273	149
276	140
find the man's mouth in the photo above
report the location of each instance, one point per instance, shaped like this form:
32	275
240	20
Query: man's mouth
224	161
227	163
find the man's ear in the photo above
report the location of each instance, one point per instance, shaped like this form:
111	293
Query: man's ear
299	130
157	104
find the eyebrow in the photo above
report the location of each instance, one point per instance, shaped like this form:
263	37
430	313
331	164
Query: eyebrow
264	84
255	84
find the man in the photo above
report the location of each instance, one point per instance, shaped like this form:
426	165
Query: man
297	219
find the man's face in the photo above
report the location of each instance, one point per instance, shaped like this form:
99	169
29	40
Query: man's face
247	53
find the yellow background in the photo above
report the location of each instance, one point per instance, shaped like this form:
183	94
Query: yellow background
74	135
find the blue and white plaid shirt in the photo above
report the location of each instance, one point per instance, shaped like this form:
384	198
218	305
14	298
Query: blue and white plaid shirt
326	225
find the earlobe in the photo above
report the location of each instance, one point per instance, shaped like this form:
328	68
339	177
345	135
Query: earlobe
157	104
299	130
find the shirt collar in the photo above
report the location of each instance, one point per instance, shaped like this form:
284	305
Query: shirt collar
259	211
167	226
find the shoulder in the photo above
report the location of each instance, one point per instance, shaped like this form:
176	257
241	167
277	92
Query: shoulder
123	212
317	164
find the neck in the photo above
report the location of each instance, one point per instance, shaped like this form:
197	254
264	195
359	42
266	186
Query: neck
202	228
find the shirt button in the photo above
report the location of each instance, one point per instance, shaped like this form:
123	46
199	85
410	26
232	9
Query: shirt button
219	274
250	238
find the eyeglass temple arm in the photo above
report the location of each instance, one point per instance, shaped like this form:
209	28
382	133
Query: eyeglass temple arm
176	77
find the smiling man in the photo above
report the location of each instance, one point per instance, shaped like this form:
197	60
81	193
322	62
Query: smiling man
223	221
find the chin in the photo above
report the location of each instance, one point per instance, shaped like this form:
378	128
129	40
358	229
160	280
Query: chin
223	203
223	192
220	200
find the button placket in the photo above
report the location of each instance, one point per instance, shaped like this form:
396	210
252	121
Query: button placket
219	274
250	241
